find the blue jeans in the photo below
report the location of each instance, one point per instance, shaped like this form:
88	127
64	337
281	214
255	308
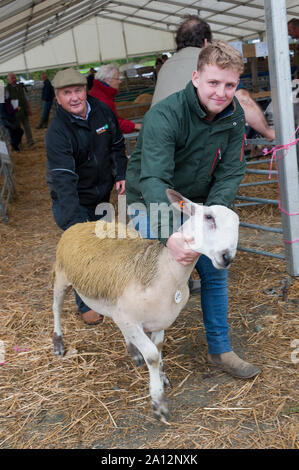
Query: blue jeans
214	294
88	213
214	304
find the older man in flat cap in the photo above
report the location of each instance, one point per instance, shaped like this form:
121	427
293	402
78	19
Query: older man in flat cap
85	157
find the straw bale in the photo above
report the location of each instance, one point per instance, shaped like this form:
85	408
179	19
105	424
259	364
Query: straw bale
95	397
128	112
144	98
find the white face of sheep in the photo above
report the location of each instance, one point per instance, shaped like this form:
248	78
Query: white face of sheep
220	235
214	229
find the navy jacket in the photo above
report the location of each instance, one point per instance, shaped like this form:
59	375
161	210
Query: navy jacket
48	91
84	158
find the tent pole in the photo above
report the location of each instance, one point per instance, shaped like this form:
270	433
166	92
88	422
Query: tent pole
125	40
126	50
75	47
98	39
281	92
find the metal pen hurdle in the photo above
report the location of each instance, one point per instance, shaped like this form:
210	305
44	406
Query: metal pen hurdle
7	185
283	114
253	201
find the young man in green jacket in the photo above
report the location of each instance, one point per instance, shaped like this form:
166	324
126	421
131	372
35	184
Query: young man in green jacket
193	142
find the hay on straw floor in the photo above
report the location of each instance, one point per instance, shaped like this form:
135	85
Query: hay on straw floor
95	397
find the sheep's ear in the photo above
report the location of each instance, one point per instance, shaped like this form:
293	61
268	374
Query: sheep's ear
180	203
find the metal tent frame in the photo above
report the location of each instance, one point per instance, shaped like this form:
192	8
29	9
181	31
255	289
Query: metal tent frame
26	24
281	90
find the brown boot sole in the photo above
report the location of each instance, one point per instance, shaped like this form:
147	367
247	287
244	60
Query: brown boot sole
252	372
92	323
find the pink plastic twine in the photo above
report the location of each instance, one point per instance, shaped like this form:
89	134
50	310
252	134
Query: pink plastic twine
274	157
18	349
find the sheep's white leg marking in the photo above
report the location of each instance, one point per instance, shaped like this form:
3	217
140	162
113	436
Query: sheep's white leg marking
157	338
60	288
135	335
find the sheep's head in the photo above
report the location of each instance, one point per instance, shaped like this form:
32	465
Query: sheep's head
213	228
220	235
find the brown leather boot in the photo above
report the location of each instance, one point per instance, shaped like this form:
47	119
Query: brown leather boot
92	318
233	364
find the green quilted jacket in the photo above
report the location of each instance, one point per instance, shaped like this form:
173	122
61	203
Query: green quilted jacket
179	148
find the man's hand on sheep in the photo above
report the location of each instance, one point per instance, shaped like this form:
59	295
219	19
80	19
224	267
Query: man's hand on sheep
120	186
177	244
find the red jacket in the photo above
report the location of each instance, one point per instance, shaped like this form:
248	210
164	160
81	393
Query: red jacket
107	94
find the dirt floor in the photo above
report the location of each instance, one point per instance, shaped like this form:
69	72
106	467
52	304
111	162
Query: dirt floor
95	397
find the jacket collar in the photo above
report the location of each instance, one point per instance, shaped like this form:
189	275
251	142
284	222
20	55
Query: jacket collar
87	114
105	88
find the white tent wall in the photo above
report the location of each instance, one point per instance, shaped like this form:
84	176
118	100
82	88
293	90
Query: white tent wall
111	39
59	50
141	40
13	65
86	38
113	29
95	40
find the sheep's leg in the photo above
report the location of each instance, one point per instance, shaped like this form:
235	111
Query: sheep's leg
135	335
157	338
60	288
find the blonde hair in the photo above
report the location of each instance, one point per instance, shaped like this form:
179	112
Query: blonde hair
223	55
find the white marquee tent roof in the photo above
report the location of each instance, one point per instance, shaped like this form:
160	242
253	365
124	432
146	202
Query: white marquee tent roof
50	33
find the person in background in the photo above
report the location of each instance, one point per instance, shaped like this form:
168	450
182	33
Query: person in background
10	122
90	78
48	96
19	101
105	88
158	64
293	28
192	35
293	31
85	158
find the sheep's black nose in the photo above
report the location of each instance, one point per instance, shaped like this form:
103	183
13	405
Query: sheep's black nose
226	259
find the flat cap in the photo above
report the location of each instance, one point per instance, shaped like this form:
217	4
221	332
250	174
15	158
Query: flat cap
68	77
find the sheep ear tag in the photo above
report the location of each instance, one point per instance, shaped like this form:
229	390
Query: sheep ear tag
178	297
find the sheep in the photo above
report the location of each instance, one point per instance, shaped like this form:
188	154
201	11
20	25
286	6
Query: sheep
138	283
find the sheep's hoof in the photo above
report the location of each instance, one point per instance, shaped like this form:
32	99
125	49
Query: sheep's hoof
160	410
58	345
136	355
